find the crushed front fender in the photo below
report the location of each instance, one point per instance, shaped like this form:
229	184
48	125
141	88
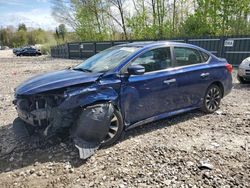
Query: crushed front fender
88	96
91	128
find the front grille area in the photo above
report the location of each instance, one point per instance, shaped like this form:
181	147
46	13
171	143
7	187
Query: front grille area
36	110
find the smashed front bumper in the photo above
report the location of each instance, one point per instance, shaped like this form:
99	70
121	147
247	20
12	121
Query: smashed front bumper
43	113
34	117
87	126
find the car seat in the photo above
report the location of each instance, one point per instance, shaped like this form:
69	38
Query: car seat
161	60
192	59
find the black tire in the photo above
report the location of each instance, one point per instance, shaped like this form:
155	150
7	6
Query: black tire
114	129
212	99
120	128
241	80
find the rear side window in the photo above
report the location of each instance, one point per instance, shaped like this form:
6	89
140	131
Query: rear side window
154	60
187	56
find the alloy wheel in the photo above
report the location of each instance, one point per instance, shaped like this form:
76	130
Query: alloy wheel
113	128
213	98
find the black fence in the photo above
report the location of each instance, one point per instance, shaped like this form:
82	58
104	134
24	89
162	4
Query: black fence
234	49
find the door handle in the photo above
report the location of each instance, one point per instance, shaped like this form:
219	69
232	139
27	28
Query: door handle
205	74
169	81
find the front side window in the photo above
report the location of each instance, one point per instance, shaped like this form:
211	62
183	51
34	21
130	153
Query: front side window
186	56
154	60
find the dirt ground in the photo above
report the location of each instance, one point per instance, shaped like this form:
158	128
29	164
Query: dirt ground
6	54
189	150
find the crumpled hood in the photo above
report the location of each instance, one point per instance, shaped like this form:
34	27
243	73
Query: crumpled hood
55	80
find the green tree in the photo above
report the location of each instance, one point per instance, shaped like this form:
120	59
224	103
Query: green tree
62	31
194	27
91	23
37	36
20	38
155	19
22	27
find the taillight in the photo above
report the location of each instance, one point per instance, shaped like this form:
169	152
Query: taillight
229	67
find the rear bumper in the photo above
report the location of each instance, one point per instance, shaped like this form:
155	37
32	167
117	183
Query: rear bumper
228	85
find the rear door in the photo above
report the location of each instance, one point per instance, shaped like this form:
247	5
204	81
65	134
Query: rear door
193	76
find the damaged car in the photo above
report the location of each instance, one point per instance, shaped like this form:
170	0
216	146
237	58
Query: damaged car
120	88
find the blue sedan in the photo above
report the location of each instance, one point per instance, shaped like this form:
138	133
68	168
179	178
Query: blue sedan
120	88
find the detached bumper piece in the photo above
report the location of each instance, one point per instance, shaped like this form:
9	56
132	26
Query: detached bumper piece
86	149
91	128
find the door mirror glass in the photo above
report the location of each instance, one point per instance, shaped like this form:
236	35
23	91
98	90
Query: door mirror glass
136	70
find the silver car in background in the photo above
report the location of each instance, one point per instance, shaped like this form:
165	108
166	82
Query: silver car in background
244	71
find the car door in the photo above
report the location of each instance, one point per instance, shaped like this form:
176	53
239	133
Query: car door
150	94
193	75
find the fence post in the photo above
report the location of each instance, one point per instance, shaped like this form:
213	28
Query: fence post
222	48
68	50
80	49
94	47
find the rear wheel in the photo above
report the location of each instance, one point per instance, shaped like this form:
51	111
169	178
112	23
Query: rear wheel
212	99
241	80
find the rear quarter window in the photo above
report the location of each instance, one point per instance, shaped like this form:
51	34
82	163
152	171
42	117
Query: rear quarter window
205	56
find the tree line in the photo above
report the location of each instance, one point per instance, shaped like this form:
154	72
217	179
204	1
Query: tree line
21	36
153	19
97	20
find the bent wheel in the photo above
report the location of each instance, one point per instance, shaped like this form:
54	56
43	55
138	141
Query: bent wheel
212	99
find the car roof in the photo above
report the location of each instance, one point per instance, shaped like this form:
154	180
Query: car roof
156	43
149	44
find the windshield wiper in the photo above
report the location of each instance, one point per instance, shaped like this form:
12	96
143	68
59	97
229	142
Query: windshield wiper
84	70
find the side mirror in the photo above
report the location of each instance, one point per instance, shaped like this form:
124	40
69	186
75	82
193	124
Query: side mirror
136	70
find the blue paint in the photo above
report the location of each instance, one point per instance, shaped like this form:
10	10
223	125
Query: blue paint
55	80
140	98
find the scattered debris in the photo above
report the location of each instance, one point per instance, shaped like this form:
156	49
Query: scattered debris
218	112
215	144
205	165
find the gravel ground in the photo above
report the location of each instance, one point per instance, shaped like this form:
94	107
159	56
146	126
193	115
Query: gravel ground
6	54
189	150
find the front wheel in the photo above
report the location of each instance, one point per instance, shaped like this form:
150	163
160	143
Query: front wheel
100	123
212	99
115	129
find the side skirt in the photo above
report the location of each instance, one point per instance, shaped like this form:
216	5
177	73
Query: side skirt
158	117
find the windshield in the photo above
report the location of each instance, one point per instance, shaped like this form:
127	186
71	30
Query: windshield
106	60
